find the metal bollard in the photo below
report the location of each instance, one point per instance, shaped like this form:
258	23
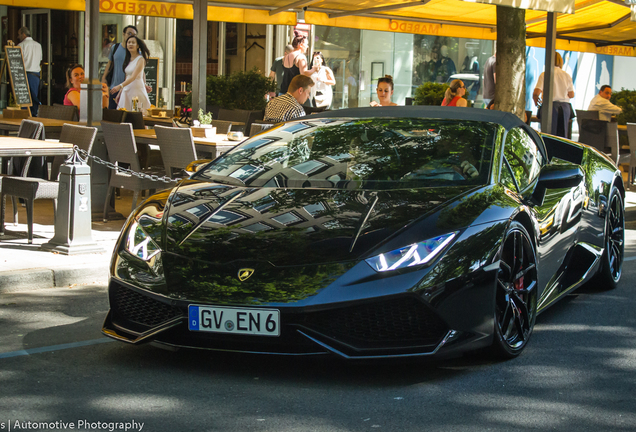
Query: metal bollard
73	214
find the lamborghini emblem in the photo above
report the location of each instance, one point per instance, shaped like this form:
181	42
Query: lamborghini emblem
245	273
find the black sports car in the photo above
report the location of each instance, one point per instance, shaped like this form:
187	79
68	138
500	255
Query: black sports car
370	233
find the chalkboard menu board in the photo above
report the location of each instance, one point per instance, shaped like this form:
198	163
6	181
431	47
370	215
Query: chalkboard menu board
17	75
152	71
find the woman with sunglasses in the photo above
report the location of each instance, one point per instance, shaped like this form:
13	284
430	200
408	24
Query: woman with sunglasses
321	91
454	94
74	78
384	91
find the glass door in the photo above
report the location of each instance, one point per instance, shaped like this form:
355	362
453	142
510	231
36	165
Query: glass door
38	22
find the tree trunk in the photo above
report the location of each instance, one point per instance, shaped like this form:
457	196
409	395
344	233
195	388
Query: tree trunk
510	91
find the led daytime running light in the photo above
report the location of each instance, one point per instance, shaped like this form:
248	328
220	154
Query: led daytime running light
415	254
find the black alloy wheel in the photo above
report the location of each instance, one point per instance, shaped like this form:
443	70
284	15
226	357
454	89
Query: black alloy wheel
614	245
516	293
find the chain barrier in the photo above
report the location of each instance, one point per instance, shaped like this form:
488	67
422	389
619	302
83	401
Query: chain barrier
123	170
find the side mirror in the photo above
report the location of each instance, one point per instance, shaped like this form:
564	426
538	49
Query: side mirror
557	176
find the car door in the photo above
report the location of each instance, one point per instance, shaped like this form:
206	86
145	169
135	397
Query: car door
557	217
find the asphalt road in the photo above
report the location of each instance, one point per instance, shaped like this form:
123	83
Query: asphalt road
577	374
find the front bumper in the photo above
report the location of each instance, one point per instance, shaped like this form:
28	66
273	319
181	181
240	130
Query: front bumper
384	327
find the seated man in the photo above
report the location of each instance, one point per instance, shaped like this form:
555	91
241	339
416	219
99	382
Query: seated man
601	103
289	106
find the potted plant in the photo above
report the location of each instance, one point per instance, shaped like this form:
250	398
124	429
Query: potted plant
202	127
430	94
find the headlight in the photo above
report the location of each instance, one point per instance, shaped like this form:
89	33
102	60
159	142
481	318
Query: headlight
415	254
140	244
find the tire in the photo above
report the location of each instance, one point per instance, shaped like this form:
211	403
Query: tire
611	267
516	293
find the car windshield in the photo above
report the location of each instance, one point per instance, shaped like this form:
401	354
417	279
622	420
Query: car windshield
374	153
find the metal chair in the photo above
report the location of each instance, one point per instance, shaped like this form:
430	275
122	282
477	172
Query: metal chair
113	115
58	112
177	148
222	126
32	188
122	151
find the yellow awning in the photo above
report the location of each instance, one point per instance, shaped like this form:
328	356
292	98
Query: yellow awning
597	26
164	10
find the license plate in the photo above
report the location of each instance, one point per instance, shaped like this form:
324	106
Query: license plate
261	322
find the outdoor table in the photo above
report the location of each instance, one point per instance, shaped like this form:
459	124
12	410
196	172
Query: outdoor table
151	121
52	127
216	145
14	146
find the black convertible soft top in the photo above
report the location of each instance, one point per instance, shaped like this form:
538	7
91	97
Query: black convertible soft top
507	120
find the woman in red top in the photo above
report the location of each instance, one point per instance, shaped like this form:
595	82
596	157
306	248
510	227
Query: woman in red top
454	94
74	78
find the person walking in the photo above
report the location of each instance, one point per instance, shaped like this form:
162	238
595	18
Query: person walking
276	72
32	54
321	92
490	79
601	103
133	86
563	92
454	95
116	58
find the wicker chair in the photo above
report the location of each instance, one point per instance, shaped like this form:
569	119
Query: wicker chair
58	112
135	118
257	128
177	148
122	151
28	129
113	115
32	188
222	126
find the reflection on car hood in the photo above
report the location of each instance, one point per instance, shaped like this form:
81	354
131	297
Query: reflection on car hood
289	227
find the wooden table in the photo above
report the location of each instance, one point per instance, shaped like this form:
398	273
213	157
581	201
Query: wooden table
52	127
215	146
14	146
156	120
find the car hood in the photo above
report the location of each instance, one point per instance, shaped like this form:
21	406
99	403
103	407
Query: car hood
291	227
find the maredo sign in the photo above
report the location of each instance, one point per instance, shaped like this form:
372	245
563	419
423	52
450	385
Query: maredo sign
166	10
413	27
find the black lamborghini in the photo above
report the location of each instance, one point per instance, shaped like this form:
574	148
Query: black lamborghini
370	233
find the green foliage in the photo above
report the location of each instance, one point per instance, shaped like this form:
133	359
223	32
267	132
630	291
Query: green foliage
430	94
241	90
247	90
205	119
625	99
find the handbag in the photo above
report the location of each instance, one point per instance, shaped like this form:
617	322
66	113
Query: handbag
109	75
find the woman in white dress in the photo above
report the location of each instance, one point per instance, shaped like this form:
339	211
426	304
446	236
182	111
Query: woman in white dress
136	56
323	77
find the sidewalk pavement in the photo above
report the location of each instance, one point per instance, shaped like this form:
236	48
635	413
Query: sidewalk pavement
25	267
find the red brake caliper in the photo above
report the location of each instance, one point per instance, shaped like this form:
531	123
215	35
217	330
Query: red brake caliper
518	284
